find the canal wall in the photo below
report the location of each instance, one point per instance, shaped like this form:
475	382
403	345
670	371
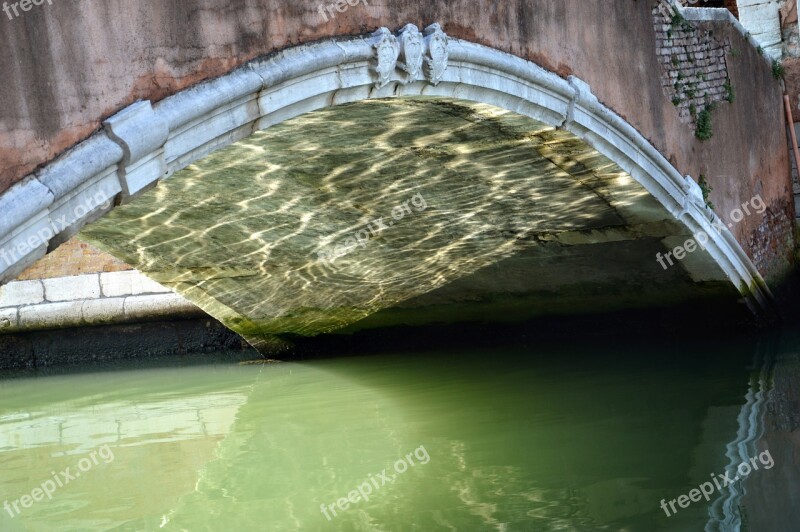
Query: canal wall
80	305
85	346
87	300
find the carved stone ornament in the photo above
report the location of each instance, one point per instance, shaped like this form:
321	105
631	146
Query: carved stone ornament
413	48
436	62
388	51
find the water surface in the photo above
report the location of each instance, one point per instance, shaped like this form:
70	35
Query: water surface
578	436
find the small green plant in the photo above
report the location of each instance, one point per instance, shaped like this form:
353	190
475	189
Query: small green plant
675	61
706	189
704	130
730	94
777	69
678	22
735	52
691	91
693	110
676	100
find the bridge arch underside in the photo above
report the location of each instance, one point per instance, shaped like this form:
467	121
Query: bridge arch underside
407	211
245	193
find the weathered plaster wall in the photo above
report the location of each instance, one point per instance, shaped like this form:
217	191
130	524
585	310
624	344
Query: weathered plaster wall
69	65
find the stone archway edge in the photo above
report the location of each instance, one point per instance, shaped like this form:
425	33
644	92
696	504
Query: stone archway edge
145	143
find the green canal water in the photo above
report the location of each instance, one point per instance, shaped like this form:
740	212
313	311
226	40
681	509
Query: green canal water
540	436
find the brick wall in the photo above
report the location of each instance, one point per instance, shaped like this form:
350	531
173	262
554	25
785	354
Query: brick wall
773	234
73	258
694	69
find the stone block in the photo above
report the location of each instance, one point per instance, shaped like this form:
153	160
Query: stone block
205	128
75	288
8	319
51	316
19	293
130	283
138	130
159	306
75	207
22	202
142	175
99	311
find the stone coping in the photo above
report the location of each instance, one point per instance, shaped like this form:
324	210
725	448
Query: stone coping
87	300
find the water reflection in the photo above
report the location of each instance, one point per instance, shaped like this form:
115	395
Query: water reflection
540	437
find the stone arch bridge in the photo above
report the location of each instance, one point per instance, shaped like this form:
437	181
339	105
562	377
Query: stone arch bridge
297	168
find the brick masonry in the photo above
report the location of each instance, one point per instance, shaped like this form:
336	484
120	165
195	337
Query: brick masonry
73	258
694	69
774	233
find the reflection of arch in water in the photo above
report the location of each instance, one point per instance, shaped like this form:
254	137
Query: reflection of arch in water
296	470
725	513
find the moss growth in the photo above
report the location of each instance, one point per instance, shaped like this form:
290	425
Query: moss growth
706	188
778	71
704	130
730	93
680	23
